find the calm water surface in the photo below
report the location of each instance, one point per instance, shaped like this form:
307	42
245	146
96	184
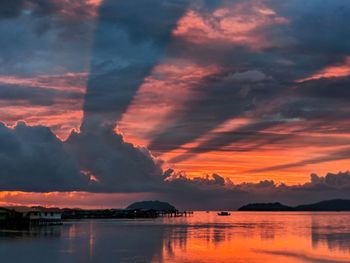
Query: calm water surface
204	237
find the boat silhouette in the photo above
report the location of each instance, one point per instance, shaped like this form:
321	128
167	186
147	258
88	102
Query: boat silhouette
224	214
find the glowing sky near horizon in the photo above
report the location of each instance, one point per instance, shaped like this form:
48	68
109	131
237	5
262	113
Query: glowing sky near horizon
248	90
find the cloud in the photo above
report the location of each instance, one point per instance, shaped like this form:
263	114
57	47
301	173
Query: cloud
164	91
69	81
143	20
339	180
130	39
10	9
250	76
236	23
54	101
336	71
116	166
102	157
68	9
248	137
35	95
251	81
210	193
219	99
45	37
34	159
246	58
342	154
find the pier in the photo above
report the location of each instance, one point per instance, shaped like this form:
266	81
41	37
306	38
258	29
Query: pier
122	213
175	213
39	216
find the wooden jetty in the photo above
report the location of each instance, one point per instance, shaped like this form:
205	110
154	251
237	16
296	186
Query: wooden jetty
39	216
175	213
122	213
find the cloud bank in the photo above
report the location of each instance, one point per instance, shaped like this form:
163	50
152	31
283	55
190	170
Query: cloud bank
263	65
33	159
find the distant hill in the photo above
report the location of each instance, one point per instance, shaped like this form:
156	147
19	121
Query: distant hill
266	207
152	205
329	205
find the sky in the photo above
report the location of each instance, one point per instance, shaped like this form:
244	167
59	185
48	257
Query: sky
208	104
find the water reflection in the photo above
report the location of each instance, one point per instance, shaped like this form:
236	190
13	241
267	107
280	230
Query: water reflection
31	232
333	232
205	237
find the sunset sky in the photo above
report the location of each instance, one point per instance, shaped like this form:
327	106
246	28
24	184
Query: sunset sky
205	103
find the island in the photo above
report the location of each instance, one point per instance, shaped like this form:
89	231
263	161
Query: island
152	205
334	205
266	207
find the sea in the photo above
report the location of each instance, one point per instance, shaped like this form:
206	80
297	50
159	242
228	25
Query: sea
286	237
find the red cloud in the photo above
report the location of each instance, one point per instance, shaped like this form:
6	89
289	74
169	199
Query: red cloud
334	71
238	24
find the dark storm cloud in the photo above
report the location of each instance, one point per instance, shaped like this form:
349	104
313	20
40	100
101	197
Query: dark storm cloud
117	165
34	159
50	36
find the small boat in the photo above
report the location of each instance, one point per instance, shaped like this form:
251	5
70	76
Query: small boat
224	214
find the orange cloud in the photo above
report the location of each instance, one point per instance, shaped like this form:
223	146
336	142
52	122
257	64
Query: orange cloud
70	81
234	164
64	115
238	24
61	120
70	199
165	90
335	71
95	2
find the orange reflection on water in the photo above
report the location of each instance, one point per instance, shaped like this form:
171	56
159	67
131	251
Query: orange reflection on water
259	237
205	237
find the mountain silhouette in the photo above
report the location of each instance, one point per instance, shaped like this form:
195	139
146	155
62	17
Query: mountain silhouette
328	205
152	205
